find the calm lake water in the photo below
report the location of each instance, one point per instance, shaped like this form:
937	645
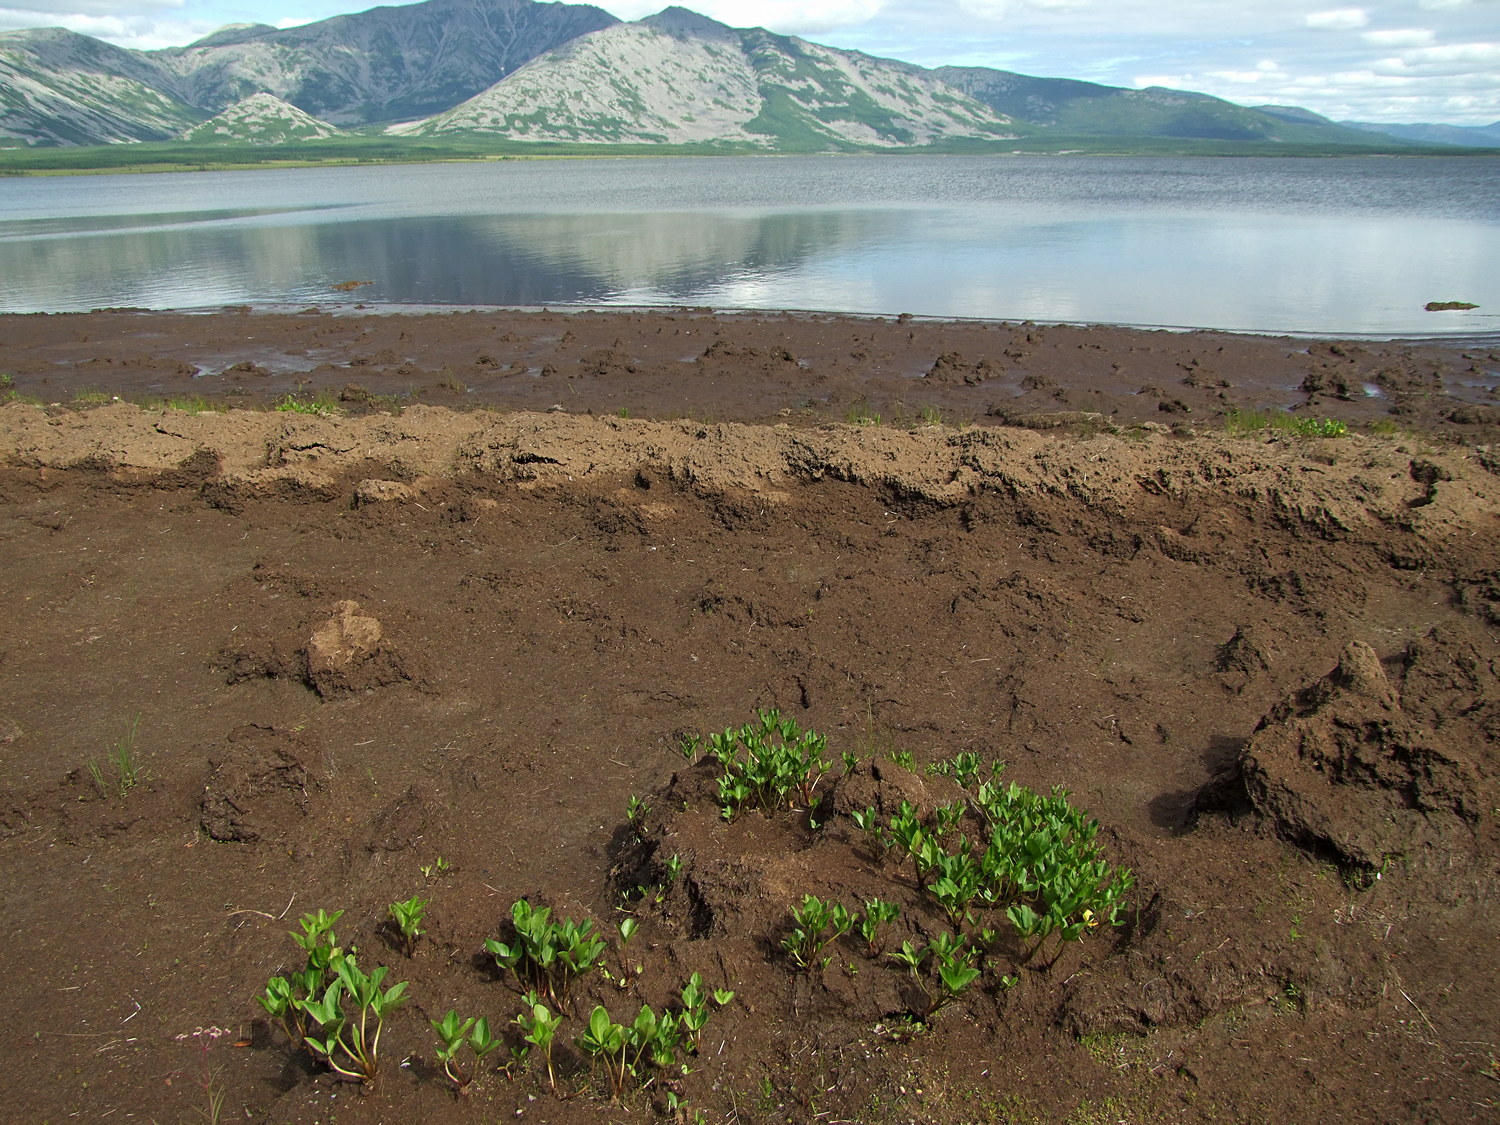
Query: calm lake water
1336	246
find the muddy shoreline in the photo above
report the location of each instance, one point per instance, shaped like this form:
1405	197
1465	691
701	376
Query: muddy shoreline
746	367
480	603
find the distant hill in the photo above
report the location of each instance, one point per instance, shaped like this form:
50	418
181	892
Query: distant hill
262	119
1466	136
1071	108
516	70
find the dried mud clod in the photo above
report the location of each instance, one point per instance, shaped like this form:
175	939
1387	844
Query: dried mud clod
258	785
347	653
1243	658
1339	768
955	367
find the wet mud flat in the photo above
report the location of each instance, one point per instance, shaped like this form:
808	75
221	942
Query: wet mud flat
334	650
746	367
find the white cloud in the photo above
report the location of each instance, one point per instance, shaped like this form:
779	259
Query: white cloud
1459	58
123	9
136	30
1404	37
1338	19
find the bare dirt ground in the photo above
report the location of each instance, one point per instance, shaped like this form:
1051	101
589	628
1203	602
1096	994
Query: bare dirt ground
337	649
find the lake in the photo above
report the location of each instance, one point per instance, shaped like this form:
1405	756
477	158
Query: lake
1347	246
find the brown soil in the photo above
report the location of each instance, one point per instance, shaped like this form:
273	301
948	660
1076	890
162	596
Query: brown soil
348	646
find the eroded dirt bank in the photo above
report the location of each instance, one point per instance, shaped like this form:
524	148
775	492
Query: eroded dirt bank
350	646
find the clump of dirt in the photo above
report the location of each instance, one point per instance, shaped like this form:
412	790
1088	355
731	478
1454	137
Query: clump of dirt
1340	767
954	367
346	653
257	785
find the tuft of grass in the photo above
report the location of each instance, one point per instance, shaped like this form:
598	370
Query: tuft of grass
1449	306
1244	423
321	405
860	414
125	765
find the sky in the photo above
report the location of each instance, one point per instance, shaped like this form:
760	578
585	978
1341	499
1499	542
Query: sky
1381	60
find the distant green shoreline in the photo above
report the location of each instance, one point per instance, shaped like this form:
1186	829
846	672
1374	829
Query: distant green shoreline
179	157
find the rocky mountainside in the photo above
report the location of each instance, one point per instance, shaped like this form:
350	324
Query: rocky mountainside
678	77
61	88
574	73
386	64
262	119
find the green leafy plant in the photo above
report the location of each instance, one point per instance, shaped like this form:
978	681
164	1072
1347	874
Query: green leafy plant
815	923
604	1041
877	913
963	768
628	1052
954	971
771	763
407	917
351	1044
905	759
456	1035
694	1015
1243	422
539	1027
1041	865
546	955
318	940
635	814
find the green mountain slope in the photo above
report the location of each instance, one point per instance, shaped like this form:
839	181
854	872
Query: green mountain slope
261	119
1072	108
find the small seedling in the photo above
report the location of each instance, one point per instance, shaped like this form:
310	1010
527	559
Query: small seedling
290	404
815	924
407	917
673	869
635	813
769	764
435	869
539	1028
877	913
904	759
963	768
317	939
455	1036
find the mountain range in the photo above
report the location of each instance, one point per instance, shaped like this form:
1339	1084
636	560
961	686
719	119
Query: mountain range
524	71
